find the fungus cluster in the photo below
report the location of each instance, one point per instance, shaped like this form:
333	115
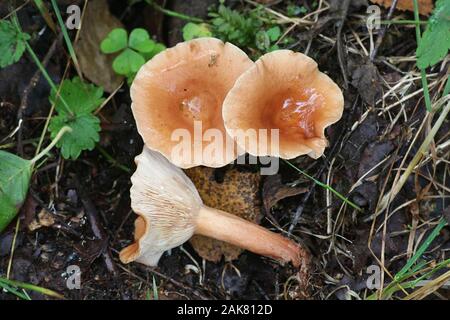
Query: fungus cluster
215	84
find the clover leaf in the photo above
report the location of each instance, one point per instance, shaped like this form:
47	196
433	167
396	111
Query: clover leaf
135	50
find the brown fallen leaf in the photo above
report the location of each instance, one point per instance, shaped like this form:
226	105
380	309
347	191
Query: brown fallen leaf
44	219
237	194
274	190
365	78
425	6
95	65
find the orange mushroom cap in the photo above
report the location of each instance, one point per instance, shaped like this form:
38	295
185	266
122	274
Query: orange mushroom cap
183	85
283	90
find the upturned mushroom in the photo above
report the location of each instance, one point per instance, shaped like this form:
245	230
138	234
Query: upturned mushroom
178	95
285	91
171	211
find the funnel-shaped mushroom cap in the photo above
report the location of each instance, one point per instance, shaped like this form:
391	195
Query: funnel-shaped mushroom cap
283	90
167	204
177	96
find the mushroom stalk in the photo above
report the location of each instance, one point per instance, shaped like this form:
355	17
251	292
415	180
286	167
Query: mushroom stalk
171	211
226	227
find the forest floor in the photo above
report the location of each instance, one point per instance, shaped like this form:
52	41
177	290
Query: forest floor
77	212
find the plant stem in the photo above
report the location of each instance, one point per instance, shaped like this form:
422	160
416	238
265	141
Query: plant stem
66	37
52	144
403	22
174	13
47	77
426	92
40	66
325	186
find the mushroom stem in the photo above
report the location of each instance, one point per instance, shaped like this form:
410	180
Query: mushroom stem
226	227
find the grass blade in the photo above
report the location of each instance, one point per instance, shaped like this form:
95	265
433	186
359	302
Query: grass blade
325	186
66	37
18	284
421	250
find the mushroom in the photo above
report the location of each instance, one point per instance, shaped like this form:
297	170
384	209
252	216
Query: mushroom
237	192
178	95
171	211
283	90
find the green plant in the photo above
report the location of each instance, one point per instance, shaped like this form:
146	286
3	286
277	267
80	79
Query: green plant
65	35
434	45
82	99
266	40
435	41
15	174
196	30
295	10
134	50
13	287
12	43
155	291
324	186
238	28
252	30
415	269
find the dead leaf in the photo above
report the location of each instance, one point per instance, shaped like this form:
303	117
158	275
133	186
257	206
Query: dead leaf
274	190
95	65
237	194
366	80
44	219
425	6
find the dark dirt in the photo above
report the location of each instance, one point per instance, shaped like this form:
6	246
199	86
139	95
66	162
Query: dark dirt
88	199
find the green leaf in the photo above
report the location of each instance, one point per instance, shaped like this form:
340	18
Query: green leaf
115	41
156	49
196	30
81	97
15	174
140	40
294	10
435	41
262	40
84	135
12	43
129	61
274	33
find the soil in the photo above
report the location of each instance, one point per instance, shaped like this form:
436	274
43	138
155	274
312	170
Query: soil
80	210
